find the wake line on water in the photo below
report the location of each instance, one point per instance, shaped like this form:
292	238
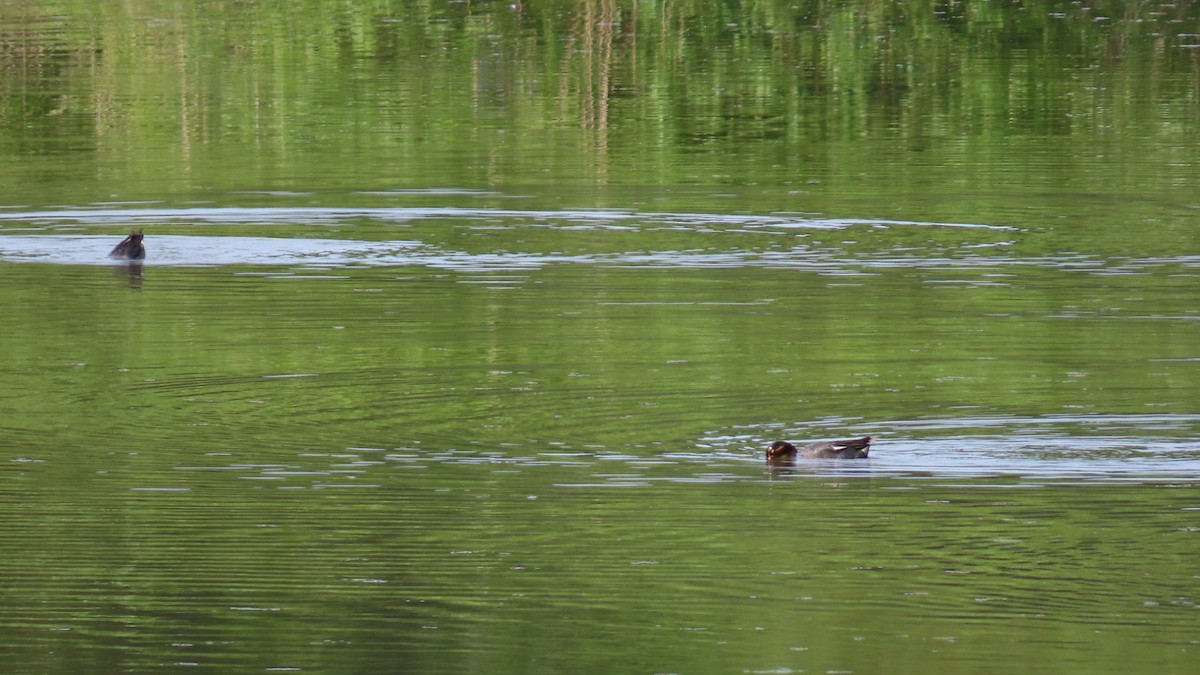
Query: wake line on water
325	215
31	245
1101	448
209	251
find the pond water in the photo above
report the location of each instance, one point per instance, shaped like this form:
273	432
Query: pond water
463	328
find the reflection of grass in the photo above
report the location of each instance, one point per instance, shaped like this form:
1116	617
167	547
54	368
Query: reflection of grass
573	353
684	93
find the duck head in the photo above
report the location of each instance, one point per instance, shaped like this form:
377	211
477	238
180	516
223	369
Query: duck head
781	451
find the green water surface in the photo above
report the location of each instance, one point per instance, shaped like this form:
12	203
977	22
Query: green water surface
463	326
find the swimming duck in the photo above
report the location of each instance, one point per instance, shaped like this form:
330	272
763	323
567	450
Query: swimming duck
130	247
782	452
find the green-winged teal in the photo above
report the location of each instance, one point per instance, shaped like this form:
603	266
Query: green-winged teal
782	452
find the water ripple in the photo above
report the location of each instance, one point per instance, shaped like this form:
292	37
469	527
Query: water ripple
1094	448
789	241
658	239
309	215
196	251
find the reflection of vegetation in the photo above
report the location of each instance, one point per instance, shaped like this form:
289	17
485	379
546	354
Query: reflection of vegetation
575	353
603	90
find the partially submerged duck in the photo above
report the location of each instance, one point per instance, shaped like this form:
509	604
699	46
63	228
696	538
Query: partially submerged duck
130	247
782	452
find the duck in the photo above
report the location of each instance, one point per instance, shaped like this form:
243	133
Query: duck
130	247
782	452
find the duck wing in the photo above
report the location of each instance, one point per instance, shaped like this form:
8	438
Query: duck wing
852	448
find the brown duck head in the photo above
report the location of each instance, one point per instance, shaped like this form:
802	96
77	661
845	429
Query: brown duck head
781	452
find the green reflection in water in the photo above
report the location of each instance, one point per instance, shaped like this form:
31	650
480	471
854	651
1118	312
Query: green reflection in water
876	106
574	354
515	569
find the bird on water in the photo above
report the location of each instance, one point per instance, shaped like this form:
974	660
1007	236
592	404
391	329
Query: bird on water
782	452
130	248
